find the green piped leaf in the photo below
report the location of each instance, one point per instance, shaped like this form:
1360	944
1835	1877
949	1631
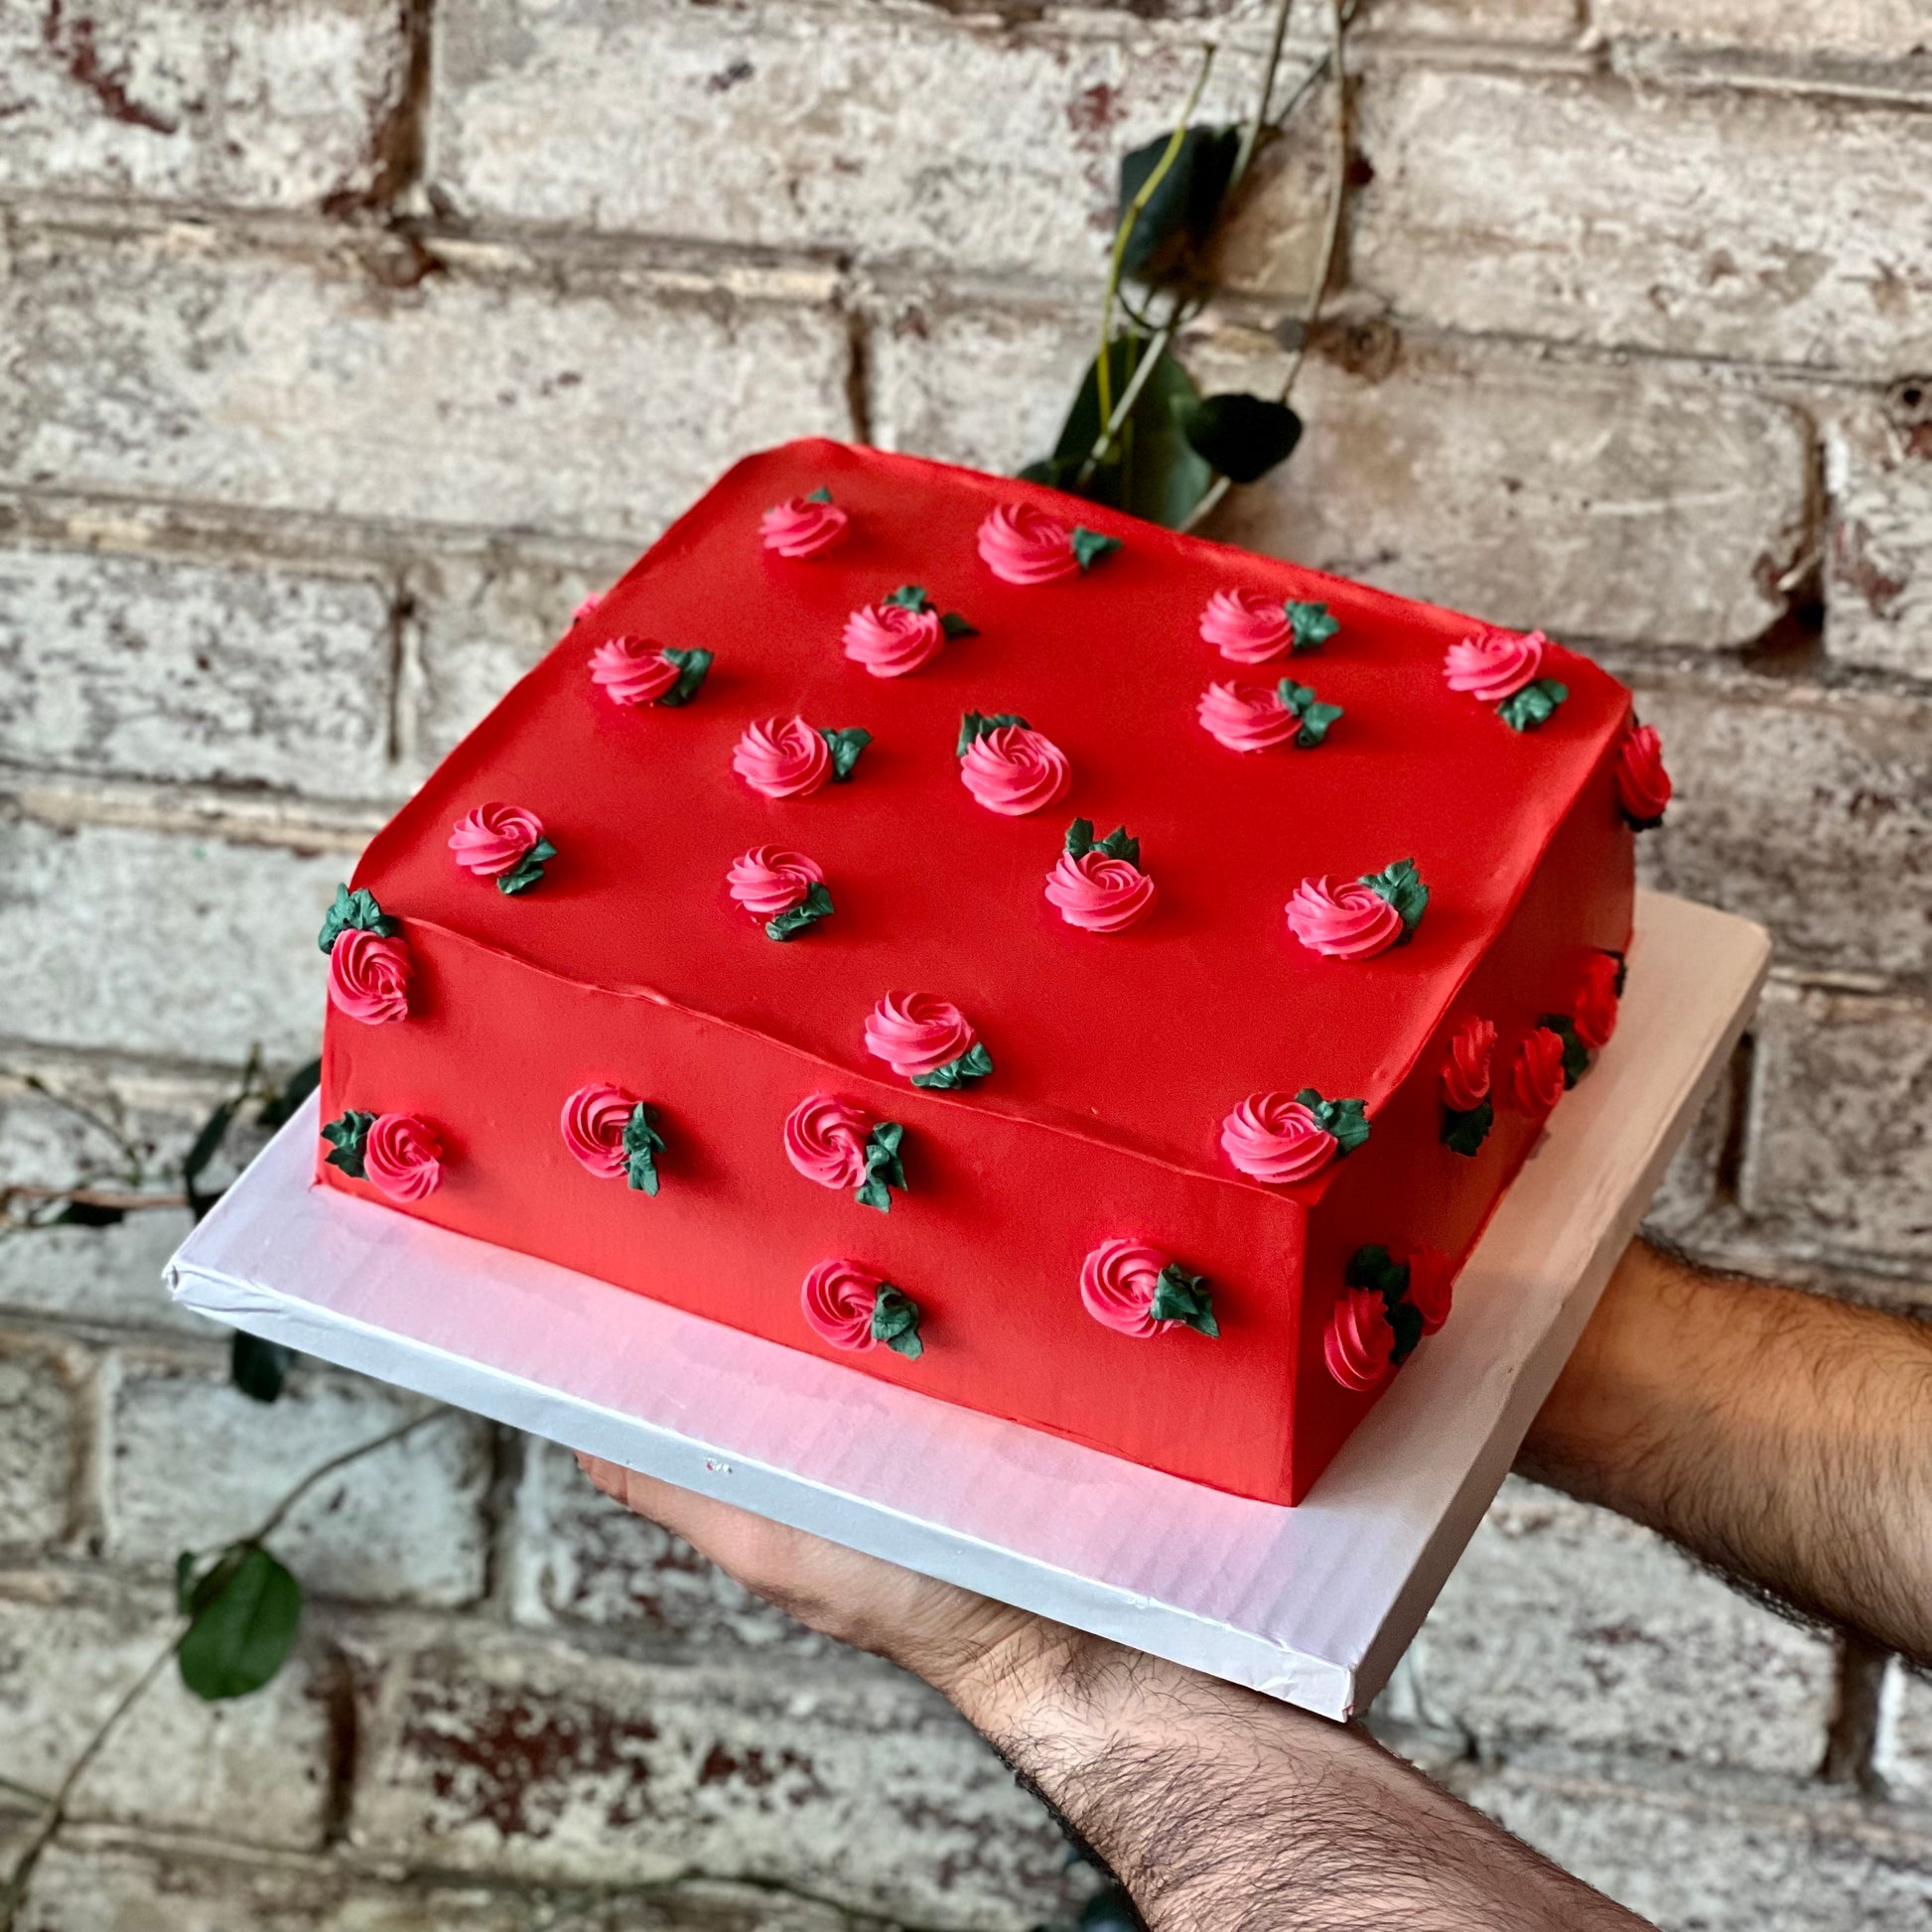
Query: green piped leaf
895	1321
1312	623
910	596
845	746
975	725
973	1064
1401	884
1089	546
528	871
347	1135
1466	1130
814	906
1079	838
642	1143
1316	716
1182	1297
1345	1120
1535	704
692	667
1118	845
1576	1056
954	625
1406	1319
883	1168
819	495
1374	1267
359	909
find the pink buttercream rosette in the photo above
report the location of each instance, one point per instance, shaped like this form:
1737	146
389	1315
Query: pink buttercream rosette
402	1155
1359	1341
768	880
1342	919
1246	717
1494	664
782	758
1245	626
369	976
917	1033
1099	893
825	1140
1014	770
1022	545
1274	1137
839	1298
593	1122
890	639
1465	1073
1118	1283
633	670
495	838
802	526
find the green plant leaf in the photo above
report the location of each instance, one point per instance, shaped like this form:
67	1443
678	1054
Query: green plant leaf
528	870
1312	623
816	904
357	908
975	725
895	1323
1180	214
1151	470
1182	1297
1535	704
1345	1120
693	667
280	1108
346	1136
257	1367
1243	436
1465	1130
845	746
243	1617
642	1143
973	1064
86	1214
1401	884
206	1145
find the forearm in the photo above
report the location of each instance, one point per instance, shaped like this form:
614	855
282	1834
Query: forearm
1222	1811
1783	1438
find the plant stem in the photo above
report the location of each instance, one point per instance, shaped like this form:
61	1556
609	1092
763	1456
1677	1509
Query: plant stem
1251	134
99	1121
1103	375
321	1474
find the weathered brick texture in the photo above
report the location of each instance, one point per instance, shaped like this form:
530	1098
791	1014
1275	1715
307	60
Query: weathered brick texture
1885	29
1904	1754
42	1430
1880	560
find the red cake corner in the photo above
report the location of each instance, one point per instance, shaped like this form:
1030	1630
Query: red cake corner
772	949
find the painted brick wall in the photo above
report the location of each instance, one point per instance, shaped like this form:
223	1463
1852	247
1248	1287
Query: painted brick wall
348	343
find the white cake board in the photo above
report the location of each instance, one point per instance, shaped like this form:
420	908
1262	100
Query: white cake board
1313	1604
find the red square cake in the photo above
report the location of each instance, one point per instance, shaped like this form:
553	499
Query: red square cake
1080	972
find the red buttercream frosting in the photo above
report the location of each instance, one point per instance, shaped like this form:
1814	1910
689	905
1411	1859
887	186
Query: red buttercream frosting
1465	1073
633	670
1592	1008
1015	770
1099	893
1643	786
800	527
1536	1078
917	1033
768	880
1024	546
368	975
782	758
1246	627
1432	1287
890	640
402	1155
1246	717
1494	664
585	608
1359	1340
837	1299
493	838
1274	1137
593	1120
1343	918
825	1140
1118	1280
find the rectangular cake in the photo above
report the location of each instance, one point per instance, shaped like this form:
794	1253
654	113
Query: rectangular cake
1084	973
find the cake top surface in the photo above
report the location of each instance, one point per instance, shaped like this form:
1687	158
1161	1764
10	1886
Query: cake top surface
1145	1038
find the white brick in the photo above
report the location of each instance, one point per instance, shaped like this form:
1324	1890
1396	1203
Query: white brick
1690	1862
1700	221
248	101
850	1783
1808	809
1841	1153
1903	1754
582	1558
166	365
1879	567
253	1769
1814	28
1566	1624
41	1435
191	1463
153	668
159	944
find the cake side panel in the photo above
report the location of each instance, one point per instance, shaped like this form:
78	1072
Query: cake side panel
988	1239
1404	1188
